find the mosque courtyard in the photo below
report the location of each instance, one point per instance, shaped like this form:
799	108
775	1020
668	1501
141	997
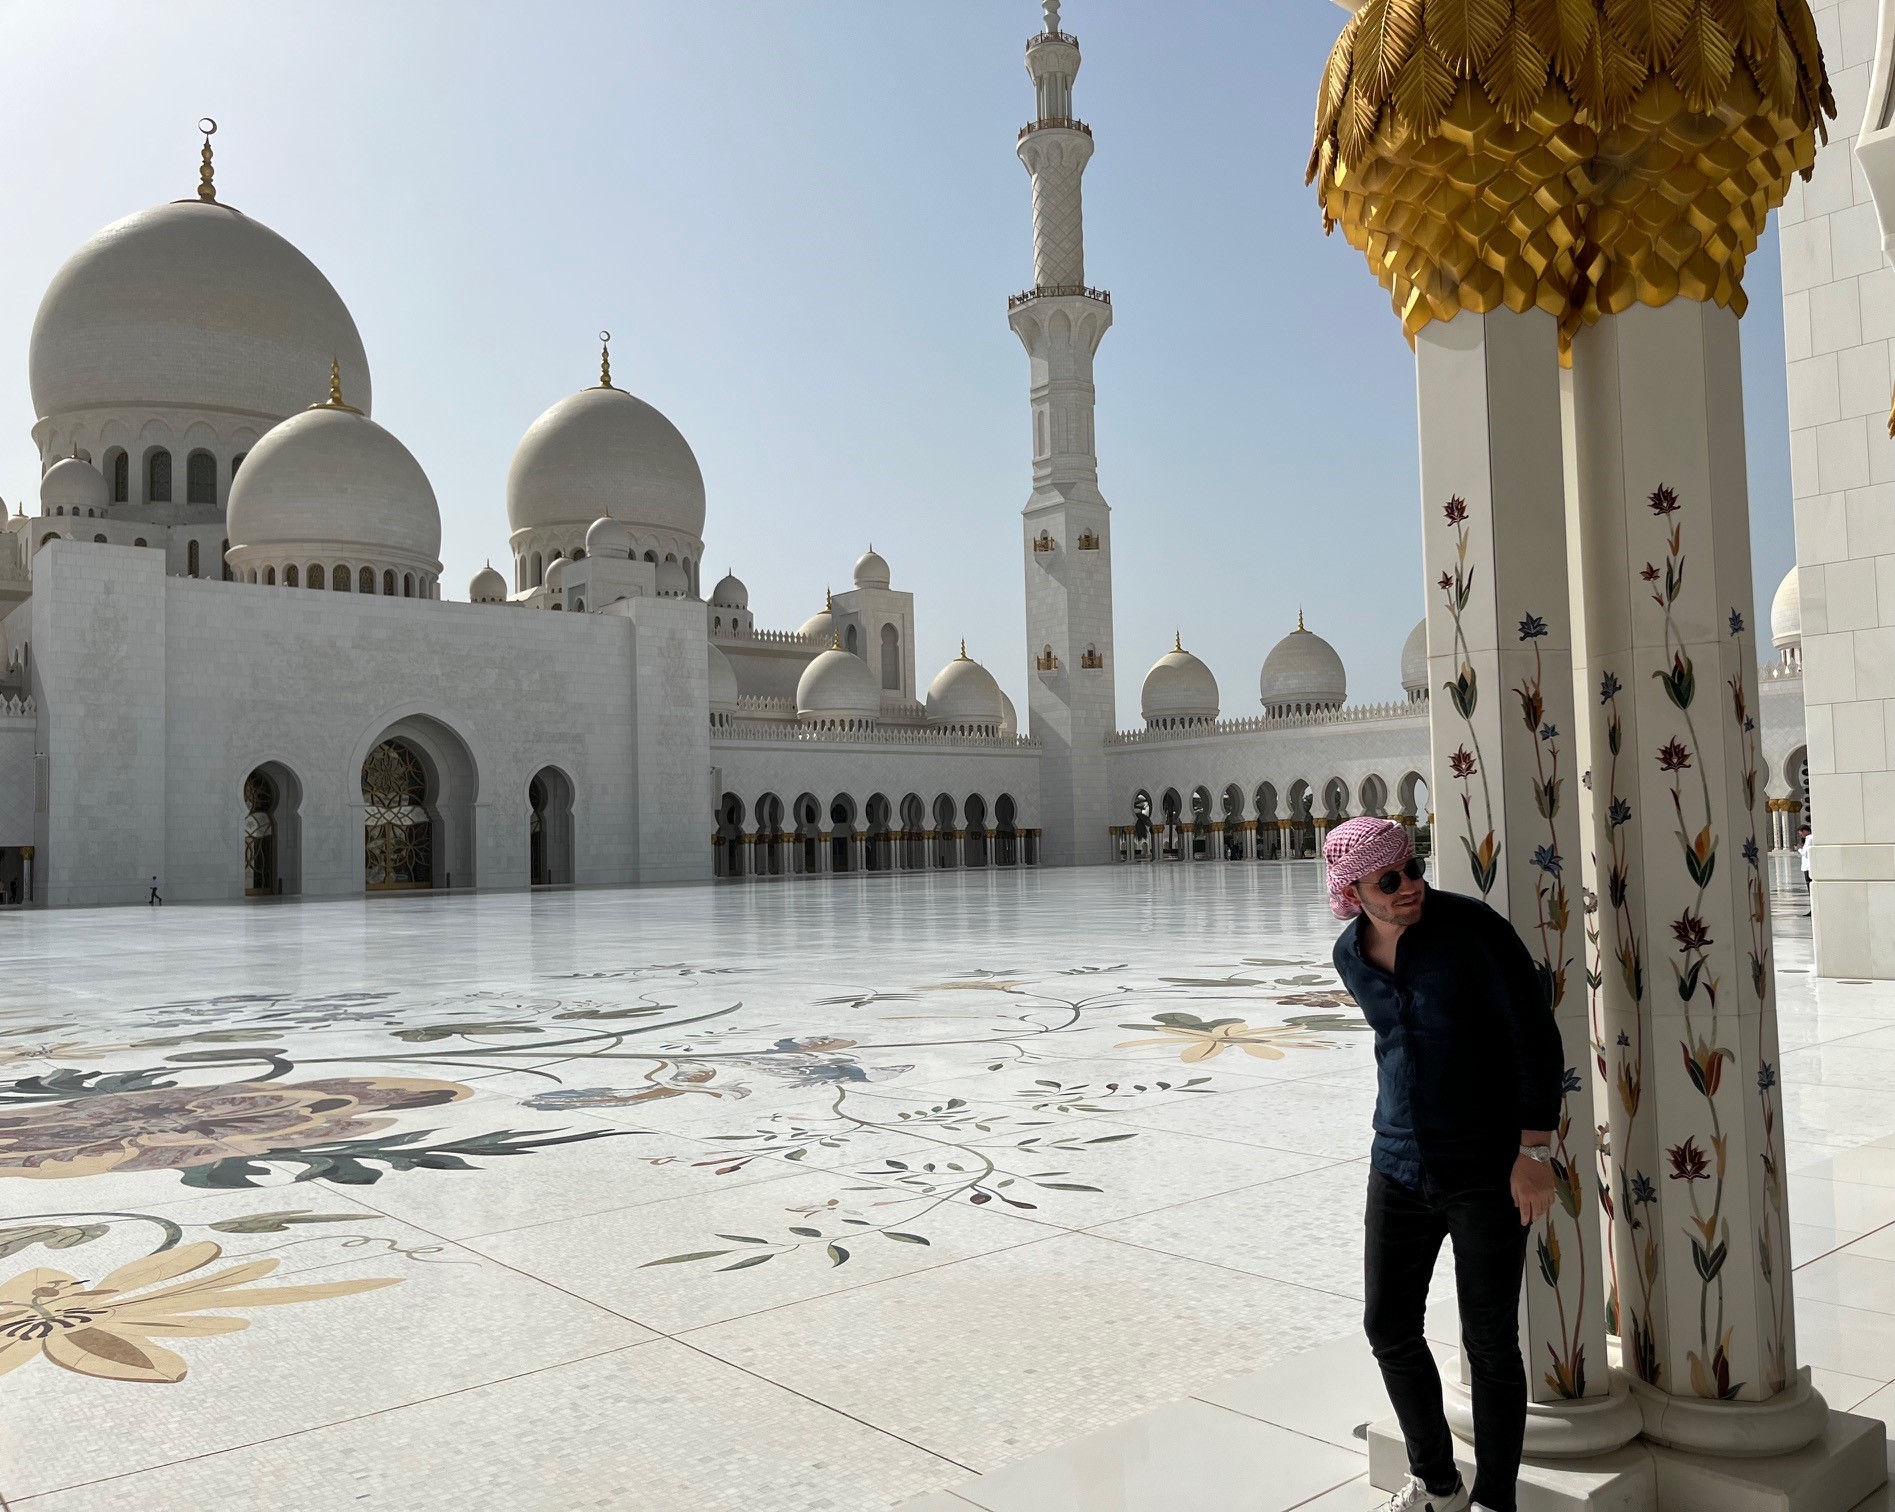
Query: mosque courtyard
772	1197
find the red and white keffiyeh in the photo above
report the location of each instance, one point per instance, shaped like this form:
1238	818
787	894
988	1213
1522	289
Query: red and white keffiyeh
1360	848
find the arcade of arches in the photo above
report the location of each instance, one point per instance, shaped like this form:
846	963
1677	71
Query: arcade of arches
1263	825
808	838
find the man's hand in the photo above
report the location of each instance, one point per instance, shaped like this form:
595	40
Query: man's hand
1533	1191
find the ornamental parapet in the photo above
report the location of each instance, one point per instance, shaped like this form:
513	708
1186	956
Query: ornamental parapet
1782	673
1040	39
1058	291
1351	714
768	637
741	729
1054	123
765	706
22	707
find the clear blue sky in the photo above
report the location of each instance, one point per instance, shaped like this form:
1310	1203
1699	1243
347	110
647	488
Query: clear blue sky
802	219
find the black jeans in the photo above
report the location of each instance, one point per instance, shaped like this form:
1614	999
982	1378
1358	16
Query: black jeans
1405	1229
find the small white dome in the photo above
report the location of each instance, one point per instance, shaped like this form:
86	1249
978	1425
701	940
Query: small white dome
74	486
838	685
871	571
607	537
1179	688
730	593
723	682
1302	671
1009	718
673	580
332	480
965	695
1786	612
191	306
821	625
555	579
603	451
1415	661
488	587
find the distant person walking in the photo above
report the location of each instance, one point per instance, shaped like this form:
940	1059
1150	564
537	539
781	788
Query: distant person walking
154	900
1470	1075
1802	854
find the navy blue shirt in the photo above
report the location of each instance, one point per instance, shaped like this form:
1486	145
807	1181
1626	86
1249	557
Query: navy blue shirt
1466	1050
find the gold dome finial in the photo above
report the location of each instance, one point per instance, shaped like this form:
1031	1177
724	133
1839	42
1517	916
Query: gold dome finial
828	602
1299	621
605	359
1177	640
964	648
335	400
206	176
835	640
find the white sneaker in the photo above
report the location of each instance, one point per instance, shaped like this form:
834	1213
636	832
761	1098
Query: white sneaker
1416	1497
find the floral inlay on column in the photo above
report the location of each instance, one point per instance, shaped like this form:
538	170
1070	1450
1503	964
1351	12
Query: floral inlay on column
1464	693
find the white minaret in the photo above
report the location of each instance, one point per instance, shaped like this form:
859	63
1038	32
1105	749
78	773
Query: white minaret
1068	528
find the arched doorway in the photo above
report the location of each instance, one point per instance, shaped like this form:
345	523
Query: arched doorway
1269	828
944	846
1302	832
878	850
1141	825
398	844
914	823
1413	805
842	834
767	853
1171	844
1200	823
272	838
808	834
1006	831
419	786
549	828
1234	847
975	846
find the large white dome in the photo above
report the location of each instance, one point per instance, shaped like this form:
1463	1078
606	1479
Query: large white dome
1786	612
964	696
191	306
330	482
1415	661
1301	673
1179	689
838	685
603	451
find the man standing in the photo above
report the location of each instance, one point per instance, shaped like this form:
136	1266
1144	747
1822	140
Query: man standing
1802	855
1470	1076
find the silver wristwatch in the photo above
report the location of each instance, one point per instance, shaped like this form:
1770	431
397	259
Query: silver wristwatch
1541	1153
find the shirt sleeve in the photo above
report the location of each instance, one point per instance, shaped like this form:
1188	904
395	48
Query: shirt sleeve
1539	1058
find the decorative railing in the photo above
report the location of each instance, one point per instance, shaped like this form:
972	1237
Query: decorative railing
1088	541
1349	714
1091	661
1047	663
896	707
1042	38
1053	123
1782	671
765	706
22	707
1058	291
768	637
750	729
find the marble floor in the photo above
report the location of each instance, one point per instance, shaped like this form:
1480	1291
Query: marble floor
780	1198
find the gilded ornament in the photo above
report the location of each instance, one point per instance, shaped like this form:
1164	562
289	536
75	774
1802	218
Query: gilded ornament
1573	156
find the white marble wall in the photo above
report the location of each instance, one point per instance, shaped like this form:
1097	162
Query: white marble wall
1839	320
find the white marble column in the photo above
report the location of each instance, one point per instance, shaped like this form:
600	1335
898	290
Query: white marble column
1504	778
1687	996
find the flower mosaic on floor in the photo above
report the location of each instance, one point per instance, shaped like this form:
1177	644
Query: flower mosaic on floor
232	1093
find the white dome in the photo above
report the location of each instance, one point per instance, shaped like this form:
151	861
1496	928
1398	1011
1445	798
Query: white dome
602	451
1009	719
964	694
673	580
555	579
871	571
730	593
74	486
1303	671
606	537
723	682
1415	660
332	480
1179	687
821	625
1786	612
488	587
191	306
838	685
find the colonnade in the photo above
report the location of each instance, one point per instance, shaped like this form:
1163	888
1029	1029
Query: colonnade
756	855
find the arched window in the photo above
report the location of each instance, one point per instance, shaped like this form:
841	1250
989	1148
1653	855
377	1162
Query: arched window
852	642
315	574
388	582
59	509
539	571
235	463
891	658
99	540
118	471
365	580
200	478
269	576
578	606
651	556
578	553
51	535
190	560
139	542
158	476
289	576
339	579
407	585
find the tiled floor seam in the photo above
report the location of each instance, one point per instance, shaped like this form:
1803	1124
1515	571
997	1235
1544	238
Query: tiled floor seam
1312	1500
360	1417
1824	1255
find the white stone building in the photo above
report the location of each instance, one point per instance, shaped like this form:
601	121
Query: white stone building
228	668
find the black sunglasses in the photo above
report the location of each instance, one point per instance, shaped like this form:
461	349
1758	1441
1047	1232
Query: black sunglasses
1390	882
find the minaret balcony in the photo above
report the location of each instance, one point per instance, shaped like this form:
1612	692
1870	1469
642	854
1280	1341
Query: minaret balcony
1058	291
1040	39
1053	123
